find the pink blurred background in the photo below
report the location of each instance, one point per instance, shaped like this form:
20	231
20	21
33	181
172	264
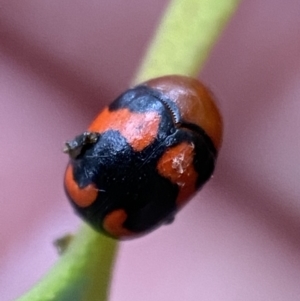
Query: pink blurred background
239	239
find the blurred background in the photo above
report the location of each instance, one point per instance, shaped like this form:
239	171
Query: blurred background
239	239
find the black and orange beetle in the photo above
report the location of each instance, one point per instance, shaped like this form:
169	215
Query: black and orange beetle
144	156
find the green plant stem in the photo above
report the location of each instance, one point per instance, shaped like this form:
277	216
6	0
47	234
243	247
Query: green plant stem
184	38
83	272
186	34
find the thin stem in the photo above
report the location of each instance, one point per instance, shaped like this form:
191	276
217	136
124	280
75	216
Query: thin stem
186	34
82	274
184	38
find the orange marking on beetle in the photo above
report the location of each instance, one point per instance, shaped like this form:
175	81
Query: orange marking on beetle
113	223
139	129
195	102
177	165
83	197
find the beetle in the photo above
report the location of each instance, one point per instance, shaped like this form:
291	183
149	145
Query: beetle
144	156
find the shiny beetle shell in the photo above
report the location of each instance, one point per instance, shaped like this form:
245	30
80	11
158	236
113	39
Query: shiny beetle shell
144	156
